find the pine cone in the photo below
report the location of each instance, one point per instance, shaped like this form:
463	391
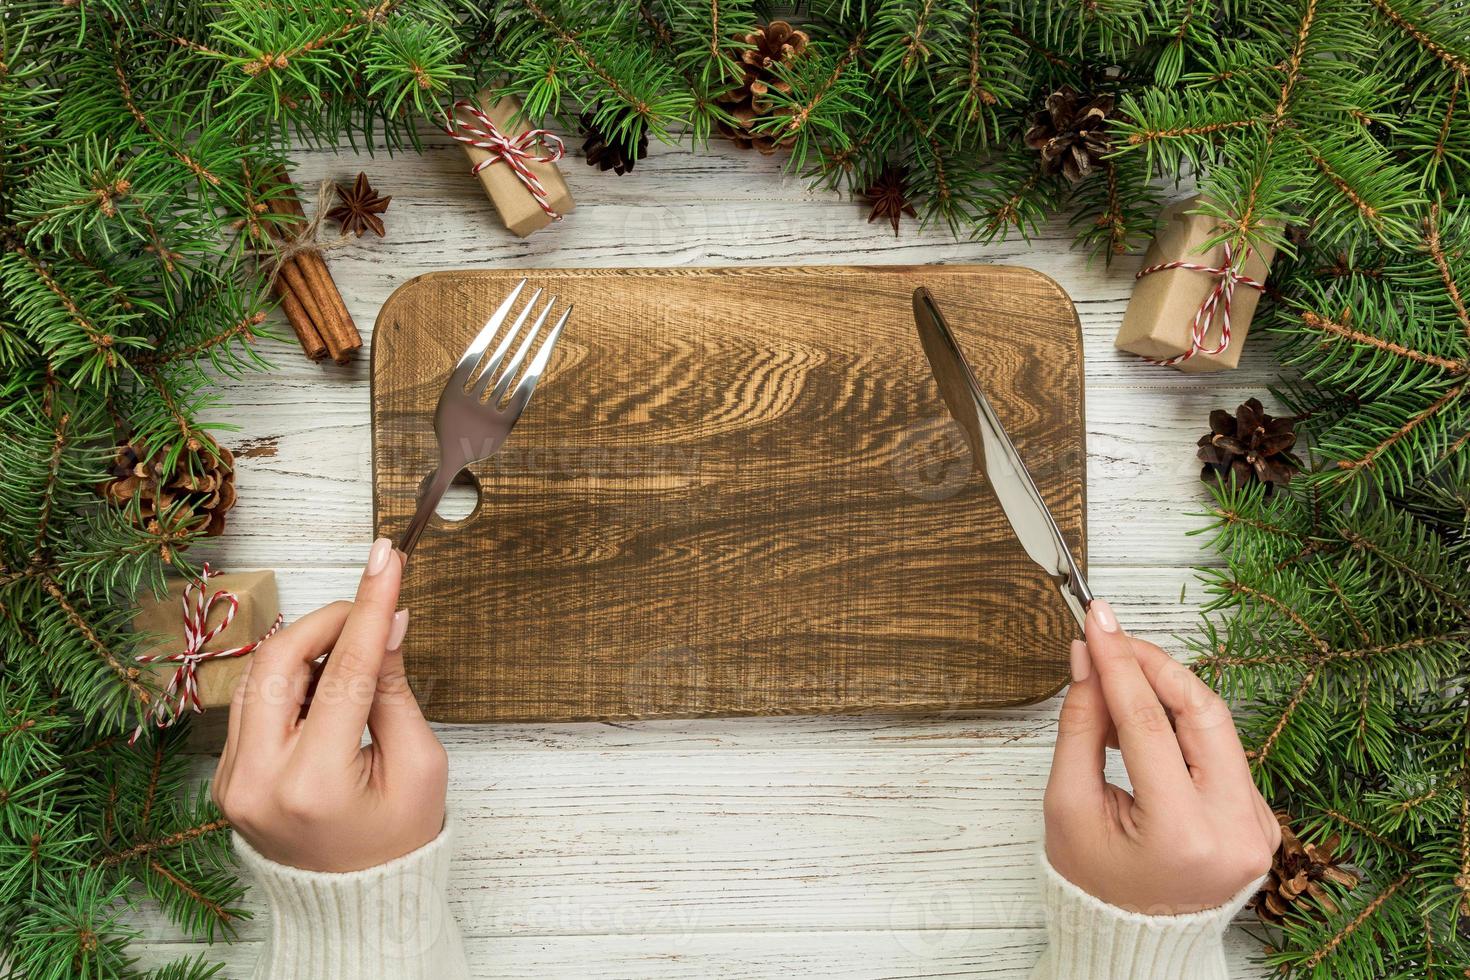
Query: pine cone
196	494
775	44
1071	133
1249	445
1298	869
610	153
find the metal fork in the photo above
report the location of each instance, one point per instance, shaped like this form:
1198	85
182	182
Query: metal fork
470	426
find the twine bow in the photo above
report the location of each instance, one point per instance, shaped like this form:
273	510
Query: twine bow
515	153
306	236
183	687
1219	298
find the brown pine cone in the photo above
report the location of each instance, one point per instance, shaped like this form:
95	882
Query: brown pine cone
196	493
1071	132
1249	445
763	51
607	152
1298	869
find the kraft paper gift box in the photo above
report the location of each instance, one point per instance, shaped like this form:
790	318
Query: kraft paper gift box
1162	310
259	605
510	195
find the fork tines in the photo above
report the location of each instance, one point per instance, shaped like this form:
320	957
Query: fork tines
490	365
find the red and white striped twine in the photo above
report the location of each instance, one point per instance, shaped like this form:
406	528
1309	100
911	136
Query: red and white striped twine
183	687
516	153
1219	298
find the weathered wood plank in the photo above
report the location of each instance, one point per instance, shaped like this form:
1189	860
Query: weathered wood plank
1000	954
878	830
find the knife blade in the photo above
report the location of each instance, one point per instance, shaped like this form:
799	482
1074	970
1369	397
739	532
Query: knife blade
992	449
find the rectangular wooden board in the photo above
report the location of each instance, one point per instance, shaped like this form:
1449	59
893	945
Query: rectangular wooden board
736	492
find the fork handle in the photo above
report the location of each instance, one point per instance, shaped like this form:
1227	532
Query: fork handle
443	477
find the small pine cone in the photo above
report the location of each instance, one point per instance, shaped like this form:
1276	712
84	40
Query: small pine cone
1071	132
607	152
1298	869
761	55
1249	445
196	493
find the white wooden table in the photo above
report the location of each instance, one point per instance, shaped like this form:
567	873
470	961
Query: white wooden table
855	847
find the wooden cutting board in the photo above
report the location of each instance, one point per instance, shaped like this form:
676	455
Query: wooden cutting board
736	492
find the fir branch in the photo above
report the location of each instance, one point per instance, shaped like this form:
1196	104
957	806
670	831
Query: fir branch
1454	447
216	910
1112	216
1281	607
1333	327
275	61
1360	542
1368	832
1009	213
101	340
48	489
125	88
661	32
1441	144
1367	652
150	791
802	112
1259	754
1435	246
245	328
1462	880
1347	190
167	842
1292	69
1403	431
979	94
1347	610
1357	921
1146	135
127	675
569	38
1454	62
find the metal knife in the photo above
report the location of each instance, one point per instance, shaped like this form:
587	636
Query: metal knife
992	449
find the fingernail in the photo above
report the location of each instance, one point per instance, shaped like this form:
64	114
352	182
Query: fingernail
1102	615
378	557
1081	662
396	631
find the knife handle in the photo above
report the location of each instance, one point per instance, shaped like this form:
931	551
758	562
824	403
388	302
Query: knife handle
1075	594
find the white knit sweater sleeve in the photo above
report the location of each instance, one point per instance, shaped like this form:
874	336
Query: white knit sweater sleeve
391	922
1089	939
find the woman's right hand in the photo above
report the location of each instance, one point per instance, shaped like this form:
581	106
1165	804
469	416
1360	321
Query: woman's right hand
1195	831
305	791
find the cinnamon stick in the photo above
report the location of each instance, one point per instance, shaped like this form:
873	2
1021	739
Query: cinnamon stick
343	328
307	273
300	320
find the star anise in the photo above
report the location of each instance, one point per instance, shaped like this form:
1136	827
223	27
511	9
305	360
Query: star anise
358	207
889	196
